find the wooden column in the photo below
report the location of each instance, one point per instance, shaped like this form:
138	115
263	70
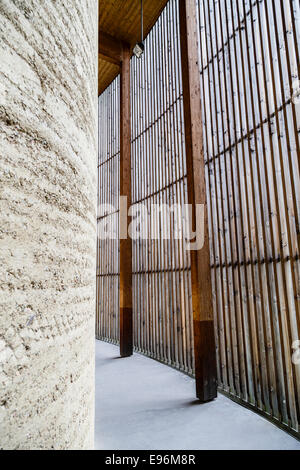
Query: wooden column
126	344
204	342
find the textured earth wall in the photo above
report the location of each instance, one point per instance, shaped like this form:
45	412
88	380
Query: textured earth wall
48	145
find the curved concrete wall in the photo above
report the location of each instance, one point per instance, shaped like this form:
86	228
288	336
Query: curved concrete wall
48	146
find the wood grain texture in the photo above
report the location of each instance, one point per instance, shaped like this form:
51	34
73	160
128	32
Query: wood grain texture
121	20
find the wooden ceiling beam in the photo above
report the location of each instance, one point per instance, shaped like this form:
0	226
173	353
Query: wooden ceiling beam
110	48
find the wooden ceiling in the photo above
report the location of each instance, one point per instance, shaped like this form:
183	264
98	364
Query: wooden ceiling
121	20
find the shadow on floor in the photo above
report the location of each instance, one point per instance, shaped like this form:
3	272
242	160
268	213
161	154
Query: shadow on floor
143	404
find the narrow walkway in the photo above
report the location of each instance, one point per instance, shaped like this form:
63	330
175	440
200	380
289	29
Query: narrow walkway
142	404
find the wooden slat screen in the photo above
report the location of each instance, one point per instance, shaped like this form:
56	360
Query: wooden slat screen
248	60
108	275
161	281
249	71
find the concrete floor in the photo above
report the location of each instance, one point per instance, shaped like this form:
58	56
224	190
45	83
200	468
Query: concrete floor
142	404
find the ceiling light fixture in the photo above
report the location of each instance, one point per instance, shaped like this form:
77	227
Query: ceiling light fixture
139	47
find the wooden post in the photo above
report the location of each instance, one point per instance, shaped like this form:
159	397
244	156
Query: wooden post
126	344
204	342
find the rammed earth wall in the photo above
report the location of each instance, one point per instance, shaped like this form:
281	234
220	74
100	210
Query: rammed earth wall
48	148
